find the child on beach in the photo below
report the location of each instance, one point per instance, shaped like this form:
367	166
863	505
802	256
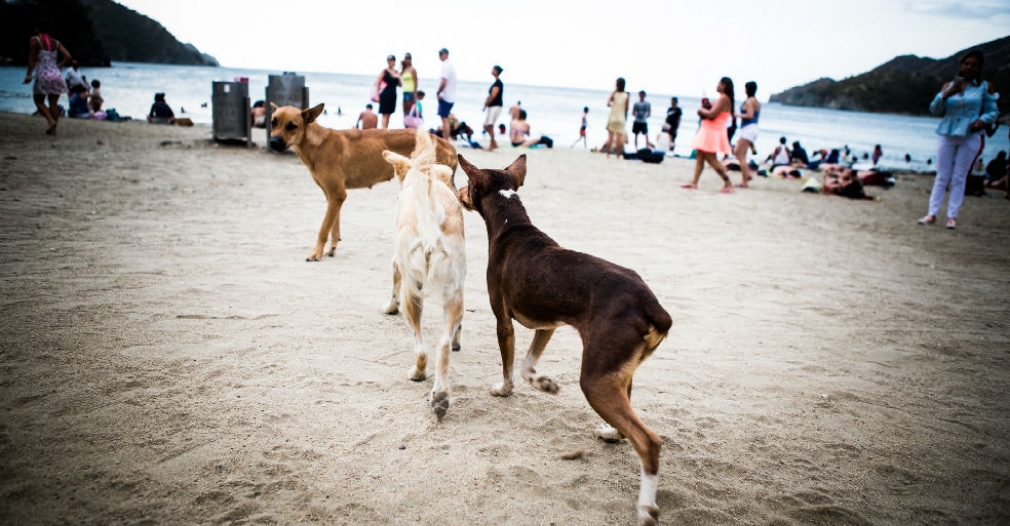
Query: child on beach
582	129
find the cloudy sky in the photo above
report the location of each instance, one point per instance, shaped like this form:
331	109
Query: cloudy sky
669	46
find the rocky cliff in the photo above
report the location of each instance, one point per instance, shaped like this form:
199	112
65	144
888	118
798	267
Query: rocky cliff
905	84
95	31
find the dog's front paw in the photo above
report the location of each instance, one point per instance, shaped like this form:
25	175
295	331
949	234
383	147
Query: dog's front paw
440	403
501	389
545	384
607	433
392	308
315	256
416	374
648	515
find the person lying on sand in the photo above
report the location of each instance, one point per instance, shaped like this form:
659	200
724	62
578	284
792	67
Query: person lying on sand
845	185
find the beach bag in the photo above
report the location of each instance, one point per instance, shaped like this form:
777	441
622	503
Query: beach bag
412	119
648	156
112	115
377	89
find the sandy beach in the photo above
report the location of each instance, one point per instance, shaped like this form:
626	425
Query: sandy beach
168	356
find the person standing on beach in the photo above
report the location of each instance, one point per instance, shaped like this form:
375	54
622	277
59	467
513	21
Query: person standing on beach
386	85
642	110
618	103
446	91
750	110
44	61
712	139
673	114
582	129
878	152
493	105
968	105
408	76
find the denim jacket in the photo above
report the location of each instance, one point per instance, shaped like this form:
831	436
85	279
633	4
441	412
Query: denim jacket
974	103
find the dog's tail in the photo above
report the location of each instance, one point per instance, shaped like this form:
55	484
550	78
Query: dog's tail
430	214
660	323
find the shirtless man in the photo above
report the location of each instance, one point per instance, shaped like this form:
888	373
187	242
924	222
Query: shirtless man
368	119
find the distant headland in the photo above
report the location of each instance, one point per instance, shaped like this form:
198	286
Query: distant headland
96	32
905	84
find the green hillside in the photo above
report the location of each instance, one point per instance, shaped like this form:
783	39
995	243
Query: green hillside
905	84
96	32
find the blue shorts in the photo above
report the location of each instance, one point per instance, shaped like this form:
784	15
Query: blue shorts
444	108
408	96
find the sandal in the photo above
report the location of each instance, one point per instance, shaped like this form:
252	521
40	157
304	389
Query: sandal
951	223
726	190
927	221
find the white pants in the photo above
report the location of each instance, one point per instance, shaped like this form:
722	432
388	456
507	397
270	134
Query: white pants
953	162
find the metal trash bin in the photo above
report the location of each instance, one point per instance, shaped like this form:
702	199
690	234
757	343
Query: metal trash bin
285	90
231	111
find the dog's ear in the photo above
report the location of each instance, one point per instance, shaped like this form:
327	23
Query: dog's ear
476	175
273	107
464	198
310	114
518	170
401	165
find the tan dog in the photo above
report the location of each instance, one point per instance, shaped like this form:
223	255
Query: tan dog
341	160
541	285
429	254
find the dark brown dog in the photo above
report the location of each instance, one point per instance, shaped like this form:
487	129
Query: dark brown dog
541	285
342	160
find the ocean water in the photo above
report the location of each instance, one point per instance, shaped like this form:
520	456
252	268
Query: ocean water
552	111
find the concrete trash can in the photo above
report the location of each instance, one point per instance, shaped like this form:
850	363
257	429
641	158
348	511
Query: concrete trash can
285	90
231	111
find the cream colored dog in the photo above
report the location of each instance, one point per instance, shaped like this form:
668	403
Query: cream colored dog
429	255
341	160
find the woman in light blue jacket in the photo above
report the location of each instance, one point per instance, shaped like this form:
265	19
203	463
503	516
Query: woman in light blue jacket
967	105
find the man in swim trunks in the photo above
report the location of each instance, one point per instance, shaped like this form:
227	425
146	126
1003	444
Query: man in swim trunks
446	90
493	105
642	110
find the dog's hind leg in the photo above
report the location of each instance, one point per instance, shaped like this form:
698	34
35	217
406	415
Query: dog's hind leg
453	319
607	393
529	369
394	302
412	307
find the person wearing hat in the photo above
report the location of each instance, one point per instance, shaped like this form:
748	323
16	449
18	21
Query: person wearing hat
446	90
493	105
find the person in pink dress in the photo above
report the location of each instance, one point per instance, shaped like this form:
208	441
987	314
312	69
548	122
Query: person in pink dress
45	66
711	138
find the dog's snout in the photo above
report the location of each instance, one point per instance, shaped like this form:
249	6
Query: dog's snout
277	144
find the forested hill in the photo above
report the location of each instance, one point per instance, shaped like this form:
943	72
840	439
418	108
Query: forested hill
905	84
95	32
